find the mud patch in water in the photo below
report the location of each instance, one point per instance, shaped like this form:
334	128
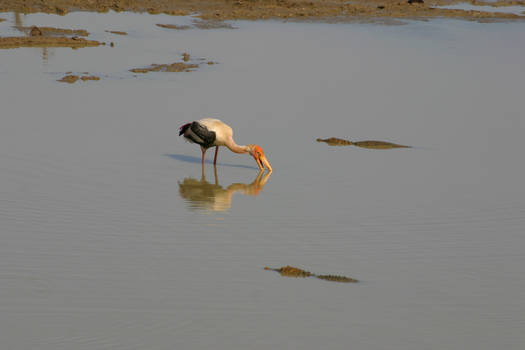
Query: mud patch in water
42	41
291	271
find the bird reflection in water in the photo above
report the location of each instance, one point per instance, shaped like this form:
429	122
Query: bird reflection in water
202	195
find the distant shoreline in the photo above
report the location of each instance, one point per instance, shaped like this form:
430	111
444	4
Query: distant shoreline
276	9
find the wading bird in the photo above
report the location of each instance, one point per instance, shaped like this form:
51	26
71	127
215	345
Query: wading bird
210	132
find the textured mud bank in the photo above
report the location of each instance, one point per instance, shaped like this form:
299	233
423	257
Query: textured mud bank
42	41
261	9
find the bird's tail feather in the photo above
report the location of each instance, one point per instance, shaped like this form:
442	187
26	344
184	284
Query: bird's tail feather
183	128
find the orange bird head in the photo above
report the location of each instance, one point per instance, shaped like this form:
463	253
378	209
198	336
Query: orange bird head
257	153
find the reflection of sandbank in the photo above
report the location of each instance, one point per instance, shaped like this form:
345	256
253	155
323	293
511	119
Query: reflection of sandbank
52	31
334	141
202	195
202	24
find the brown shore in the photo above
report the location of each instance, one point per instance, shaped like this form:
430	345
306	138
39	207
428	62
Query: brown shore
41	41
263	9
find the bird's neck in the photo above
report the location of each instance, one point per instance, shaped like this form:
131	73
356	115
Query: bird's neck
232	146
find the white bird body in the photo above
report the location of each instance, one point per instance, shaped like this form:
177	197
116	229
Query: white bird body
223	132
210	132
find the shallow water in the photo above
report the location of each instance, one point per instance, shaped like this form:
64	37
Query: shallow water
103	247
517	10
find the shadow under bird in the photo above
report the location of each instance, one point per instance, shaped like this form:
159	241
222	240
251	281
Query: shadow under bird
209	132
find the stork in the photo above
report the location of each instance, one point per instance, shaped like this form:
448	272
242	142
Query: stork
209	132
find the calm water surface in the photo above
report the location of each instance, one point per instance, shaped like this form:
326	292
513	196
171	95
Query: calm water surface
112	238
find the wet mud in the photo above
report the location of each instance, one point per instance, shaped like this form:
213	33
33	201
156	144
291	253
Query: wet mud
71	78
263	9
371	144
43	41
290	271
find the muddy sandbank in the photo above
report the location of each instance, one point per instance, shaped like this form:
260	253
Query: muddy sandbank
263	9
43	41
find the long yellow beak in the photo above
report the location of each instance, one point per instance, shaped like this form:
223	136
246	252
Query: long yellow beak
264	162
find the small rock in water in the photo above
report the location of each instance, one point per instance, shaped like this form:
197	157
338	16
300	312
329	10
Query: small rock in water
35	31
